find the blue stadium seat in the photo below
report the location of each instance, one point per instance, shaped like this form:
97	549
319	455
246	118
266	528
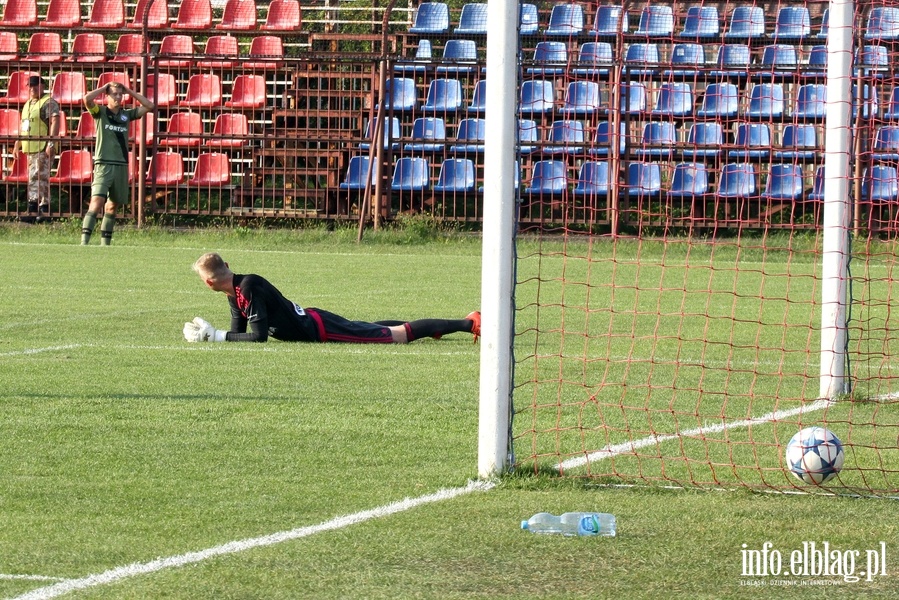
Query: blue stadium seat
581	98
811	101
594	60
674	100
733	61
867	97
411	174
610	21
658	142
550	58
428	135
737	181
431	18
633	98
779	61
766	101
356	172
644	180
686	59
690	180
825	21
549	178
883	23
538	96
702	22
444	96
793	24
565	20
456	176
602	141
391	134
472	19
816	67
799	143
704	140
881	184
746	22
641	59
656	21
592	180
528	136
400	94
870	60
720	101
753	143
528	19
459	56
892	112
478	98
886	143
817	193
419	64
566	137
784	183
470	136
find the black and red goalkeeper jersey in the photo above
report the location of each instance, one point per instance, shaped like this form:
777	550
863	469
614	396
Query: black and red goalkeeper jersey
260	305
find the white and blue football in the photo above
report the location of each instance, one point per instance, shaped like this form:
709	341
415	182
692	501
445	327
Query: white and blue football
814	455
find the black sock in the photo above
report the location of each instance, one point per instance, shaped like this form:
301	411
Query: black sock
437	327
390	323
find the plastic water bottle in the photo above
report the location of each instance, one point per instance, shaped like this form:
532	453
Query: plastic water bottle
572	523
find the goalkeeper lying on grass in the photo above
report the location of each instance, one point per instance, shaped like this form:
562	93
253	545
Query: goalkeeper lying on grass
258	304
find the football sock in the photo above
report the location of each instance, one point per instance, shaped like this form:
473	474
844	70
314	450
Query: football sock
437	327
87	227
106	227
390	323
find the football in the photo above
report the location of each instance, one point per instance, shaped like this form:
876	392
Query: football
814	455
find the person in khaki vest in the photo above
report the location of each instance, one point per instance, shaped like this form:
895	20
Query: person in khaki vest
40	120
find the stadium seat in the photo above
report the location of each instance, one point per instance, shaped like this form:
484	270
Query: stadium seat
431	18
528	19
825	19
866	95
134	128
356	173
194	14
411	174
881	184
566	137
581	98
779	61
548	178
766	101
247	91
213	169
883	23
184	130
400	94
18	172
658	141
538	96
594	60
753	143
9	122
701	22
784	183
44	47
166	169
9	46
17	91
418	64
644	180
633	98
470	136
230	130
86	128
62	14
720	101
74	167
528	135
592	180
685	61
689	180
816	67
239	15
817	193
550	58
602	141
19	13
810	102
68	88
892	111
472	19
565	20
459	56
456	176
641	59
222	52
737	181
390	134
444	96
160	89
886	143
746	22
129	48
117	77
106	14
158	17
283	15
799	143
428	135
674	100
266	52
176	51
793	24
609	21
733	61
478	98
656	21
204	90
88	47
704	140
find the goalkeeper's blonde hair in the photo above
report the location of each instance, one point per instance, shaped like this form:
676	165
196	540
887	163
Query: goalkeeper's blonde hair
212	266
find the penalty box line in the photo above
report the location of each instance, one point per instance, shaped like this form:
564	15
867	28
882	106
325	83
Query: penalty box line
134	569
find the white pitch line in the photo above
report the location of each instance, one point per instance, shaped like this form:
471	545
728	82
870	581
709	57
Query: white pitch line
626	447
30	577
134	569
29	351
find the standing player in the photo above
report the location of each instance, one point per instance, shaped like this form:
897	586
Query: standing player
110	184
257	303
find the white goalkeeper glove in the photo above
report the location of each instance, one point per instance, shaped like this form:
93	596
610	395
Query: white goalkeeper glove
199	330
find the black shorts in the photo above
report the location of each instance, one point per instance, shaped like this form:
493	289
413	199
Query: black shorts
334	328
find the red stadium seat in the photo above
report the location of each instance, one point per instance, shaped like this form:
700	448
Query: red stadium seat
69	88
87	127
222	52
166	169
129	48
17	91
239	15
266	52
176	51
229	131
62	14
9	46
19	171
9	122
203	90
157	19
89	47
75	167
247	91
182	130
107	14
283	15
134	129
63	124
194	14
44	47
213	170
161	92
19	13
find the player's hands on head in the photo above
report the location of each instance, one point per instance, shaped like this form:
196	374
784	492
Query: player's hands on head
200	330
